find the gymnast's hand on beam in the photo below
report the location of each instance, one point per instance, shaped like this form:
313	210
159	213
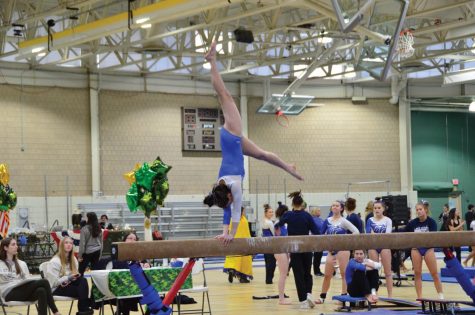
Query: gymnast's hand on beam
225	238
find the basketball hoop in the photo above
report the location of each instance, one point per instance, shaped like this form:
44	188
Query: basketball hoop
281	118
405	42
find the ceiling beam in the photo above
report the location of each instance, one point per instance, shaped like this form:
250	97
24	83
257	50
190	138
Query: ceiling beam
158	13
55	11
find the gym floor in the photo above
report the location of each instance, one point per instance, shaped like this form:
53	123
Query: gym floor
236	298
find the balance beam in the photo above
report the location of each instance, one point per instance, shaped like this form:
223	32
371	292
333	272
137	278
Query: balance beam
289	244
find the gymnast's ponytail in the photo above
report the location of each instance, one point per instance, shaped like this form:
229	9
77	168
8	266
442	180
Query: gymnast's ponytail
297	200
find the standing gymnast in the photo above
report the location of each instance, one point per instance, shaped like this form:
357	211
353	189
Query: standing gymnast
300	222
380	223
268	231
234	145
352	216
423	224
282	258
336	224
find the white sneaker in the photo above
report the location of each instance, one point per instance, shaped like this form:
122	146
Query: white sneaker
304	305
310	300
337	273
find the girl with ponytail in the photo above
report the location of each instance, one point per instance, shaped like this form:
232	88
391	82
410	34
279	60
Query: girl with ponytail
300	222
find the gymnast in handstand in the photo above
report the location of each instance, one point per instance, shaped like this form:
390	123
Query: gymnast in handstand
234	145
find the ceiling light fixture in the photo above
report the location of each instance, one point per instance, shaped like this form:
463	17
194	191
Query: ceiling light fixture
142	20
471	108
146	25
37	50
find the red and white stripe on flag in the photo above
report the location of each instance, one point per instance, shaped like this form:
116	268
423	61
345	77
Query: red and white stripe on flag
4	223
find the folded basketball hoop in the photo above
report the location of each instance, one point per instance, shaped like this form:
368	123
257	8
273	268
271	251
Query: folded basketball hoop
405	42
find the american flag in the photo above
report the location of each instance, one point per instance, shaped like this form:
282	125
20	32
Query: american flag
4	223
75	235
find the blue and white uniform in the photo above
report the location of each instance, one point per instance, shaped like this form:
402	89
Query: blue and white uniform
283	229
338	226
232	172
415	225
385	225
268	228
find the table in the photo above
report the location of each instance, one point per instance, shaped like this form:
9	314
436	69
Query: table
118	283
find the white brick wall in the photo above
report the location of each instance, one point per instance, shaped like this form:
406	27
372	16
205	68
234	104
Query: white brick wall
52	126
136	127
331	146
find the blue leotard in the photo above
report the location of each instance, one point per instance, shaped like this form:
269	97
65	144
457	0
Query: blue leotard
429	225
284	231
233	158
267	228
338	226
385	225
232	164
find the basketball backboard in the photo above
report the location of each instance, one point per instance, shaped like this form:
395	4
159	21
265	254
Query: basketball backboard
387	18
288	104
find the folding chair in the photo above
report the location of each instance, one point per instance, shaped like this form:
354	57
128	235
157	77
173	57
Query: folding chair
198	268
16	303
57	298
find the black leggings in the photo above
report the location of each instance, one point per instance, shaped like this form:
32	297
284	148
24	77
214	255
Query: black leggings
458	253
317	260
363	282
270	267
87	259
302	268
77	289
35	290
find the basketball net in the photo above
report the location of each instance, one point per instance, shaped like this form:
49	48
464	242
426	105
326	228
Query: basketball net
404	45
281	118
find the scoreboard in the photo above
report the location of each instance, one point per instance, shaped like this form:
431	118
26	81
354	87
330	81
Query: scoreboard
201	129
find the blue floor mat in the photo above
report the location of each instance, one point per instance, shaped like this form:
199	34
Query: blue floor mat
428	277
468	310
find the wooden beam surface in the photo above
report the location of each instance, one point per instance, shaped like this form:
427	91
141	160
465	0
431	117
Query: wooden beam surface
290	244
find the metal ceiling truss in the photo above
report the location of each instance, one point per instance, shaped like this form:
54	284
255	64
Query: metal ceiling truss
289	35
